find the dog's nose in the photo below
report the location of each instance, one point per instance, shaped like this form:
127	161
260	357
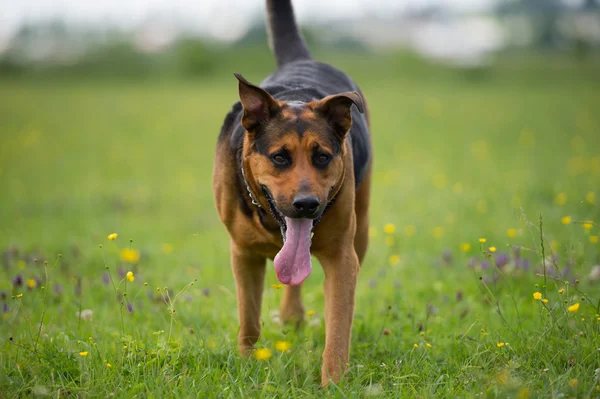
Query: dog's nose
306	206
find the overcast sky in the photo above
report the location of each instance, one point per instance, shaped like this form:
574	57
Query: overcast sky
211	16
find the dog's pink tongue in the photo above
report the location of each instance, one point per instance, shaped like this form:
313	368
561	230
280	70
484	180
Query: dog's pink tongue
292	263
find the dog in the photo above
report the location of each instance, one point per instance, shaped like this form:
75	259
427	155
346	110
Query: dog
291	179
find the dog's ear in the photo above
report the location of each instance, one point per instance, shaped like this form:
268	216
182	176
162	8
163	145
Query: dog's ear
337	109
258	105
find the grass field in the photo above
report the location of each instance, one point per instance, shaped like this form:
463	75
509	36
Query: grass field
459	157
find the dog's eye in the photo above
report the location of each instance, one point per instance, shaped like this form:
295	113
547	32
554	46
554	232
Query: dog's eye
322	159
279	159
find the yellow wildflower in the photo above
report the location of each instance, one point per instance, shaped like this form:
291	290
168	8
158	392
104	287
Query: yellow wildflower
482	206
277	286
31	283
428	345
394	260
573	383
523	394
389	228
500	344
372	232
282	346
465	247
167	248
310	313
130	277
511	232
112	236
590	197
415	346
594	239
19	295
130	255
437	232
561	199
544	301
108	365
566	220
439	181
573	308
561	291
537	296
482	240
492	249
263	353
83	354
588	225
410	230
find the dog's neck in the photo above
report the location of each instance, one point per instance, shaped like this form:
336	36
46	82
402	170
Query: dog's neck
253	198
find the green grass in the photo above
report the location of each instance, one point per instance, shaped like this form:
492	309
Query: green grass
458	156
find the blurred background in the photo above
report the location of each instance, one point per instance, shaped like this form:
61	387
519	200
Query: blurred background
150	38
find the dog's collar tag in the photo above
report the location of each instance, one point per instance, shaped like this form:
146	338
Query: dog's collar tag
250	194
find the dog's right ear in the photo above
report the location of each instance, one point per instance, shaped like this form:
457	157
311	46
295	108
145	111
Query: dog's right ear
258	105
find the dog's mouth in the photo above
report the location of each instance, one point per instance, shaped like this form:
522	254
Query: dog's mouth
293	263
280	217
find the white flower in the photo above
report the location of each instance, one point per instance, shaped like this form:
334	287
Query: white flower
86	314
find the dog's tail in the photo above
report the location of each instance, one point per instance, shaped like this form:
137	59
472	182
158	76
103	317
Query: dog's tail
284	37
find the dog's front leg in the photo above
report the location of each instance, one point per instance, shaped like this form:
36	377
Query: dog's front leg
341	272
249	271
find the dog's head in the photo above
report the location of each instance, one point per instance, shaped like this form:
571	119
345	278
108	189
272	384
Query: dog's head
294	152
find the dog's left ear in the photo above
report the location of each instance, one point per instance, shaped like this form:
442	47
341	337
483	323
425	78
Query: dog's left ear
258	105
337	109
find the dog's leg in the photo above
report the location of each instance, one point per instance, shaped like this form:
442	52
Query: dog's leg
249	271
292	310
341	271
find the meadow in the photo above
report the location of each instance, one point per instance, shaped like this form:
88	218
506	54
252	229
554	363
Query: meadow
481	280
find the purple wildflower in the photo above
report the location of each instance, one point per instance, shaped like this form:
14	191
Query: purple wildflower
58	289
18	280
129	307
106	278
78	287
122	272
3	295
447	257
502	260
4	307
206	292
472	262
485	264
517	253
459	296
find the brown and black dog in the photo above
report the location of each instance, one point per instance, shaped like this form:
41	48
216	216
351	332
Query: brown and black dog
292	179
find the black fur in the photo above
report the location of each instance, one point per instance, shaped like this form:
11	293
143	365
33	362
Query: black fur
284	36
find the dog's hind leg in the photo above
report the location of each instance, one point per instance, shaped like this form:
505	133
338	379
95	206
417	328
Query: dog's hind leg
292	310
249	272
361	239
